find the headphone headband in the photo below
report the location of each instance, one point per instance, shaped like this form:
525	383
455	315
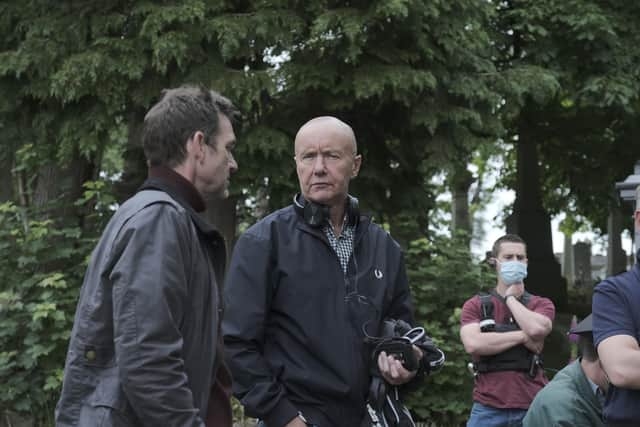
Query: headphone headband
317	214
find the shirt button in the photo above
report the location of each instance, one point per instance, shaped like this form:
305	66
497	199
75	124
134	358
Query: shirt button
90	355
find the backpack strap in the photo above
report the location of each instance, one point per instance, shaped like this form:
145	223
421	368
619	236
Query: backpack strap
486	304
487	322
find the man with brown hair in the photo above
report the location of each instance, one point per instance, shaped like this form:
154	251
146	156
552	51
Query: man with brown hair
504	332
146	348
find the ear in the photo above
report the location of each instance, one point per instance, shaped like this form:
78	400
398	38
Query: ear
636	220
357	162
196	146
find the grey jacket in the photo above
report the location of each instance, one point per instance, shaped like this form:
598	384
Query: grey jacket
143	349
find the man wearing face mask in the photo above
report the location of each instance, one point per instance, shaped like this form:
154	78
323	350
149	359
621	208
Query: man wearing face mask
504	332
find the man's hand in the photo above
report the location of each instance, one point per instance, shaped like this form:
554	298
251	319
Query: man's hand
535	346
392	370
536	325
516	290
296	422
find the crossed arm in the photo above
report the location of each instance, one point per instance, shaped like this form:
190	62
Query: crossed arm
620	358
480	343
534	327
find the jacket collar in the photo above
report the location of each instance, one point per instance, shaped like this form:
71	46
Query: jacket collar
182	191
178	187
361	227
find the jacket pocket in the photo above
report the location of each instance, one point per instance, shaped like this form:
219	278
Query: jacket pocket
103	416
107	406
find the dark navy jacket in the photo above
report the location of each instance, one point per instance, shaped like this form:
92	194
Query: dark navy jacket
293	325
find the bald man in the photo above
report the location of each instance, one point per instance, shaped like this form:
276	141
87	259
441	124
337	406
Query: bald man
303	284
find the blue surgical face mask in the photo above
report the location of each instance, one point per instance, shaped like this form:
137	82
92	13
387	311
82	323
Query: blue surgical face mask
512	272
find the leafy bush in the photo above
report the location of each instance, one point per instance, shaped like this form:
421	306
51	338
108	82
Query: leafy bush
442	277
42	263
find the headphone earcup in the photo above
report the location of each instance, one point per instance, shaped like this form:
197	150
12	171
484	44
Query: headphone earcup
315	214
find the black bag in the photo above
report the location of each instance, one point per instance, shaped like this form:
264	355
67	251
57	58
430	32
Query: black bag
389	411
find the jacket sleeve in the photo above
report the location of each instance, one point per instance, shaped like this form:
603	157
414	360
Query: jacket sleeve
149	282
248	291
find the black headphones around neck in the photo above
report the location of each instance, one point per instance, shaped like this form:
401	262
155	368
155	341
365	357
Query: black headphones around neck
316	214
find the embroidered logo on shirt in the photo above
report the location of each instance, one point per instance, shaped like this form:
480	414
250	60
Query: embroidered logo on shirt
377	273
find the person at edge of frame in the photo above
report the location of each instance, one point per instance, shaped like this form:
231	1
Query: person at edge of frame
616	333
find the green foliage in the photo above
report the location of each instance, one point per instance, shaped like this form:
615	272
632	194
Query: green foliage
426	85
571	85
412	78
239	418
42	262
442	277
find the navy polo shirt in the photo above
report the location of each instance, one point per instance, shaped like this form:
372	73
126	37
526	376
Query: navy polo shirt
616	311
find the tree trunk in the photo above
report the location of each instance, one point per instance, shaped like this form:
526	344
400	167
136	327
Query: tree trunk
57	188
460	182
222	215
48	185
6	177
533	224
135	163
